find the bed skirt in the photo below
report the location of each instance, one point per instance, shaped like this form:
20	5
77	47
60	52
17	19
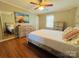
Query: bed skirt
49	49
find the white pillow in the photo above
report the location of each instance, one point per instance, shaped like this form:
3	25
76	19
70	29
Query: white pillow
76	28
67	30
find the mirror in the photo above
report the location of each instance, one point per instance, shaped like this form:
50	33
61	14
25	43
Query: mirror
7	23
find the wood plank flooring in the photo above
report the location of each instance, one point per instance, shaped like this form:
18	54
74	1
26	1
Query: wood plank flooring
18	48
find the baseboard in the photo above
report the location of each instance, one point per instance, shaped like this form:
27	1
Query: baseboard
7	39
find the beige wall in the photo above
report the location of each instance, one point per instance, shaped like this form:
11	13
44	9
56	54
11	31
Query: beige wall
42	21
7	7
66	16
77	16
34	21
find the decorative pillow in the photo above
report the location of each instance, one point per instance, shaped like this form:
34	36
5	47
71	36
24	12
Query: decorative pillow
76	28
71	34
67	30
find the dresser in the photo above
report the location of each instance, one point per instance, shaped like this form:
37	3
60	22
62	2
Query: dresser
24	30
59	25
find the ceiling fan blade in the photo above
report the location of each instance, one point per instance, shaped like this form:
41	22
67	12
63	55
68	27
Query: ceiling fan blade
36	8
48	5
40	1
33	3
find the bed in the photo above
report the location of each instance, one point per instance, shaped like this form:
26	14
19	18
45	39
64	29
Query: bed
52	41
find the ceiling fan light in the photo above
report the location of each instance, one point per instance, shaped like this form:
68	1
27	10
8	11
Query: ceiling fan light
41	8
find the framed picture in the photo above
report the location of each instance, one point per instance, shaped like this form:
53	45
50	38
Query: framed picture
20	17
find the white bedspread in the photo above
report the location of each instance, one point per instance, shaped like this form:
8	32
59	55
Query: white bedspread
48	34
54	39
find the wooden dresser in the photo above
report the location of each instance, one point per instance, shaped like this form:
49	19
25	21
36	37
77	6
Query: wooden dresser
59	26
23	30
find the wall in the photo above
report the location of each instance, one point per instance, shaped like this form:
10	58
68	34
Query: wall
77	16
42	21
66	16
34	21
9	8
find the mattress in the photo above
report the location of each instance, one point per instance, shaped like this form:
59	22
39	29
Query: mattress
54	39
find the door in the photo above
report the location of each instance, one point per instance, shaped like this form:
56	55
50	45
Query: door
7	24
0	29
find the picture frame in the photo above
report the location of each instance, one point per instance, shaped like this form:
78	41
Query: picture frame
21	17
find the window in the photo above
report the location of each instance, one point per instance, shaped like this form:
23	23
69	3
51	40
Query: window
50	21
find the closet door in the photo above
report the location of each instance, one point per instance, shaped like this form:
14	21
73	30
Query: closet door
7	23
0	29
7	17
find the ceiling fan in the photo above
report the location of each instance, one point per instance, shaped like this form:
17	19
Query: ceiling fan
40	5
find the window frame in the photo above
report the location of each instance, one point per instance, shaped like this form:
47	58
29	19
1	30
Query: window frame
52	26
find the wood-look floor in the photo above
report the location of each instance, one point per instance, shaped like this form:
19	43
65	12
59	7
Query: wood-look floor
18	48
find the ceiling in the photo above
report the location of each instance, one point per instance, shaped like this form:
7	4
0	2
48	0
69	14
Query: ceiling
59	5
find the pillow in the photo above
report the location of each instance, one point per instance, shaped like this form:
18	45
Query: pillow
67	30
76	28
71	34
